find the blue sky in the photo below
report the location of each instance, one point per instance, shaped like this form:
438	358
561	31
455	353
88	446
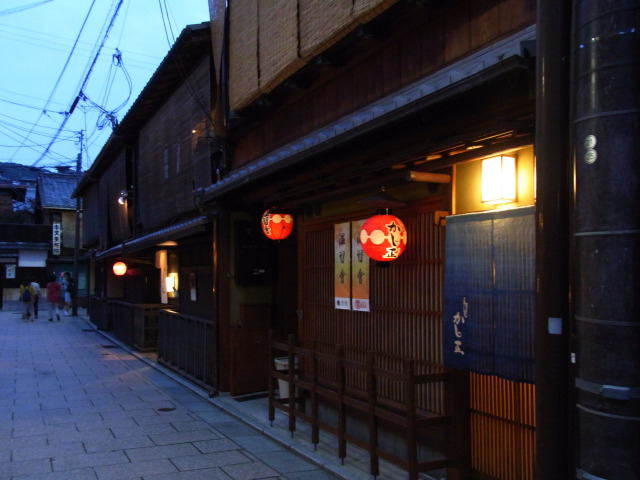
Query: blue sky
51	50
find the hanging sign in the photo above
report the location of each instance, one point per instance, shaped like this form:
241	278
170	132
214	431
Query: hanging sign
342	266
56	239
360	271
384	237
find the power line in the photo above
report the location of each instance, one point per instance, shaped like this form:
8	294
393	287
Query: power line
86	79
55	87
24	7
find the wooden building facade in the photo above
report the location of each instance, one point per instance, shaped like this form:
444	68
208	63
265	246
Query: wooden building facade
139	210
327	105
333	111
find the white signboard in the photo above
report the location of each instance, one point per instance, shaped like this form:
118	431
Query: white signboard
56	238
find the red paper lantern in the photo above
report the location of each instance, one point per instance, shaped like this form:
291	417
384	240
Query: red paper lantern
119	268
383	237
276	225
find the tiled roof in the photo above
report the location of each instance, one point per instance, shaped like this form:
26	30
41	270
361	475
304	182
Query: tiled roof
56	189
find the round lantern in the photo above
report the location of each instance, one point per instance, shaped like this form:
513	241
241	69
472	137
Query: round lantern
276	225
383	237
119	268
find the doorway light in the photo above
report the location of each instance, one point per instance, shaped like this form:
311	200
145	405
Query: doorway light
499	180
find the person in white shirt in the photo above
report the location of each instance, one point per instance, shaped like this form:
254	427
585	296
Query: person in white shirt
36	297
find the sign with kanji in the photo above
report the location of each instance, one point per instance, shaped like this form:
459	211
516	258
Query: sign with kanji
56	240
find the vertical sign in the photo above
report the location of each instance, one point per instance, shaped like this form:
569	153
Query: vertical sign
56	238
342	266
10	271
360	271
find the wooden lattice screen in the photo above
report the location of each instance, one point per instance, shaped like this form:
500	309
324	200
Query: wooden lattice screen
406	297
406	321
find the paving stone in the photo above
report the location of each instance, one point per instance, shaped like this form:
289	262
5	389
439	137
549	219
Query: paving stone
206	474
218	445
26	467
93	446
90	460
209	460
284	461
74	410
257	444
233	429
251	471
184	437
135	469
164	451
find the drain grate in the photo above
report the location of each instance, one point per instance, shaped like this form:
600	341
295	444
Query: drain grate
166	409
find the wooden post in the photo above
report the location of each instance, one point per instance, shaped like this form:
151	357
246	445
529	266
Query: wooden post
342	421
374	461
554	178
270	387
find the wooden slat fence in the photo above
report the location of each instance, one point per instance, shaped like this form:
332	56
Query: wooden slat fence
100	312
136	324
355	390
188	345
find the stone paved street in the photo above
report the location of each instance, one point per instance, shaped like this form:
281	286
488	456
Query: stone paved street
77	406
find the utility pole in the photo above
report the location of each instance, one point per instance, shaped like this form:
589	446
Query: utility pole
607	238
76	250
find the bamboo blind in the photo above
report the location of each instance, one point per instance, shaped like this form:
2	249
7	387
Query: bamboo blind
278	40
271	40
320	21
243	50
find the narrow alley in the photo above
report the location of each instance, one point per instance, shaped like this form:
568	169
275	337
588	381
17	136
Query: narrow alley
77	406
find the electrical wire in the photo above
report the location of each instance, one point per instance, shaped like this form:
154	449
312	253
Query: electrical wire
86	78
27	36
24	7
64	68
202	104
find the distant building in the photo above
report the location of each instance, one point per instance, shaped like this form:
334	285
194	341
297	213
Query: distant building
38	234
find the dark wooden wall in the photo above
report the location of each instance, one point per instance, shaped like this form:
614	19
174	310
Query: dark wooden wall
174	153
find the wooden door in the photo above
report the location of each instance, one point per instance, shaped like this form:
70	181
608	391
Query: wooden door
249	350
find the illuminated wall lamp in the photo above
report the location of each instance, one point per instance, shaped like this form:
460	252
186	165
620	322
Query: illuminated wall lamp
171	282
499	180
122	199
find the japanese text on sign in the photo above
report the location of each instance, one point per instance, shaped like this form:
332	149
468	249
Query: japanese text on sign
56	238
458	320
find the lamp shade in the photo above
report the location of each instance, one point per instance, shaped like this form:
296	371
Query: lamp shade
499	180
276	225
119	268
383	237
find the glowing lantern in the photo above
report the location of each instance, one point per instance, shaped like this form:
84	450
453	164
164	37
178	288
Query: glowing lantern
119	268
276	225
383	237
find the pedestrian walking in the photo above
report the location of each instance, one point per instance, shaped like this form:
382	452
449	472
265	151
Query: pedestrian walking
68	286
53	297
36	297
27	293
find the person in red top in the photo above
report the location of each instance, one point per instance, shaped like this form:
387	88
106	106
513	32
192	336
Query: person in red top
54	298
